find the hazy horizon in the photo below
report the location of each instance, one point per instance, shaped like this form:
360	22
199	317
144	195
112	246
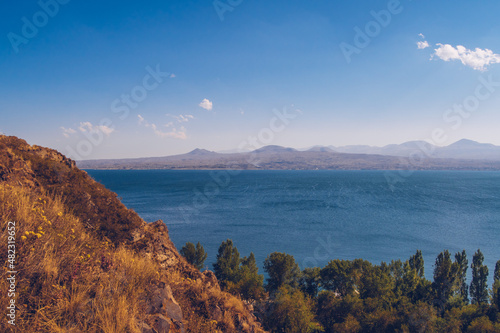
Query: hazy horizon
232	151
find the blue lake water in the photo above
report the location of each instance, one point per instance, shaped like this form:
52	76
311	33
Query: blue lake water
320	215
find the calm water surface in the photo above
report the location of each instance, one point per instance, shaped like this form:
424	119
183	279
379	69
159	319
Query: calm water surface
320	215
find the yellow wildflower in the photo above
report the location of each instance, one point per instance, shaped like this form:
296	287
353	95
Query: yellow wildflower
23	237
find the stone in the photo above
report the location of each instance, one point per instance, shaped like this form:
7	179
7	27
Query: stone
160	323
144	328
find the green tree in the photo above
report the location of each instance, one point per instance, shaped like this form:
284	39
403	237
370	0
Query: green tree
462	263
396	272
309	281
496	285
250	284
479	284
337	313
376	283
481	325
336	276
282	270
291	312
196	256
445	277
417	263
410	282
227	264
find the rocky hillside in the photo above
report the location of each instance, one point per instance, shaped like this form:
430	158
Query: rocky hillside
86	263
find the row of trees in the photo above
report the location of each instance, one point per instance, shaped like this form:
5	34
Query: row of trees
357	296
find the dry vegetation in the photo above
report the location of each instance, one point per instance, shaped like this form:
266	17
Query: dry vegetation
69	280
80	268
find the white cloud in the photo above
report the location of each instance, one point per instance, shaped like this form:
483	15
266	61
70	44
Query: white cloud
421	35
105	129
141	119
478	59
173	133
184	118
422	45
206	104
172	76
88	127
68	131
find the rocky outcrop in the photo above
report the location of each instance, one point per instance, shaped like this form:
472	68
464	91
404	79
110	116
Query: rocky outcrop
152	239
163	310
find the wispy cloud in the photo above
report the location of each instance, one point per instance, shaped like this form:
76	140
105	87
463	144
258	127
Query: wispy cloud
88	127
478	59
173	133
182	118
206	104
67	132
141	119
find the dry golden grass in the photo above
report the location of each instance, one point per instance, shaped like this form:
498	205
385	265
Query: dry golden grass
68	280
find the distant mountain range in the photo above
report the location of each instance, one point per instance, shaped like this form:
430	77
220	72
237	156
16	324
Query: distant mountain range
414	155
463	149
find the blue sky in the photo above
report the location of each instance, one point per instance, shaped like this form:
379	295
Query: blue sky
227	67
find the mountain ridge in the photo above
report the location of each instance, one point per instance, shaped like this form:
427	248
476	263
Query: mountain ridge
457	156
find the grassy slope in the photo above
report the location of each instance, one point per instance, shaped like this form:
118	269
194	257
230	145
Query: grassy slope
87	263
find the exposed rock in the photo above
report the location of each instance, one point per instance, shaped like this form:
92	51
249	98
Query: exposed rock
160	323
217	313
153	240
161	301
144	328
210	279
